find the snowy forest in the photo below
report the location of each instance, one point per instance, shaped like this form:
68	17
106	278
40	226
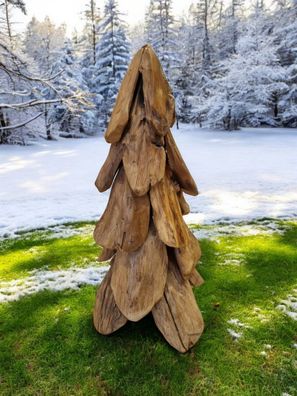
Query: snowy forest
230	64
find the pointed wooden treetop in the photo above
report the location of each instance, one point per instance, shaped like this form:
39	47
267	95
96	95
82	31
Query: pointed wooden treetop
142	229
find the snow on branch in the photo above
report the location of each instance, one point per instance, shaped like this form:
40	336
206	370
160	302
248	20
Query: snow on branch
20	125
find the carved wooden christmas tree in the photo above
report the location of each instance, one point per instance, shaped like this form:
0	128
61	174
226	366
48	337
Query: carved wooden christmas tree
153	254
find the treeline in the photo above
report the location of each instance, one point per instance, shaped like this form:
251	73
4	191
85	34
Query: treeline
52	85
230	64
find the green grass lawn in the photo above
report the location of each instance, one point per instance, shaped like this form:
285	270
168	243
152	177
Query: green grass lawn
48	345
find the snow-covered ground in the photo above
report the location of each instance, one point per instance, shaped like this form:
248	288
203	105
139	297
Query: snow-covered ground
240	175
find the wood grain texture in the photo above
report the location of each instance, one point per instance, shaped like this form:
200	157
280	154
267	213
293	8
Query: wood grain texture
187	256
139	277
177	315
178	166
110	167
107	318
121	111
158	98
143	161
125	221
196	279
167	214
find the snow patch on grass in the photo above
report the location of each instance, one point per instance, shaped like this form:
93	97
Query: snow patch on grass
53	232
234	334
237	323
262	227
236	331
40	280
289	305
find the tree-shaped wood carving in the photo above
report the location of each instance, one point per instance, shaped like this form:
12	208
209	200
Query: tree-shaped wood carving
153	253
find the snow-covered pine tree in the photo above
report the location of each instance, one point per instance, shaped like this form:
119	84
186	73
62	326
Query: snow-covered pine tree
88	42
78	118
189	38
203	15
43	42
286	32
228	32
112	58
6	10
248	93
93	18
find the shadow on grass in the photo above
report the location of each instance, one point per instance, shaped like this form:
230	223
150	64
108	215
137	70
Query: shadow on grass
53	253
62	347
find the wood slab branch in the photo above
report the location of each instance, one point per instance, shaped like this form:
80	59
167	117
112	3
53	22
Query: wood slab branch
107	317
184	206
143	161
196	279
177	315
178	166
158	98
139	277
125	221
121	111
167	214
106	254
188	256
110	167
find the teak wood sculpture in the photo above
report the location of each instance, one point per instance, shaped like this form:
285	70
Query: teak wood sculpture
153	253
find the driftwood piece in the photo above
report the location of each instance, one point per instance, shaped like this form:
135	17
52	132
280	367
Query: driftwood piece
187	256
177	315
139	277
125	222
178	166
167	214
144	162
107	317
195	278
109	169
158	98
121	111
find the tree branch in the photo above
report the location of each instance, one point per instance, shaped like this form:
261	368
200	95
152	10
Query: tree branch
30	103
22	123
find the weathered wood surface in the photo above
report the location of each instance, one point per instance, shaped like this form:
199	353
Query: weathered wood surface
107	317
177	315
139	277
125	222
187	256
195	278
178	166
144	162
167	214
158	98
109	169
121	111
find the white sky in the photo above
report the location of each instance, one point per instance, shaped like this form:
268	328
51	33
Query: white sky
70	11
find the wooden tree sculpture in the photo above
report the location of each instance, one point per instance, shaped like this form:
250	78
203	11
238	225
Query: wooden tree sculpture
153	253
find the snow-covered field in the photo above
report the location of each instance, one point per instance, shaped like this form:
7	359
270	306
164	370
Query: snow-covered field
241	175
